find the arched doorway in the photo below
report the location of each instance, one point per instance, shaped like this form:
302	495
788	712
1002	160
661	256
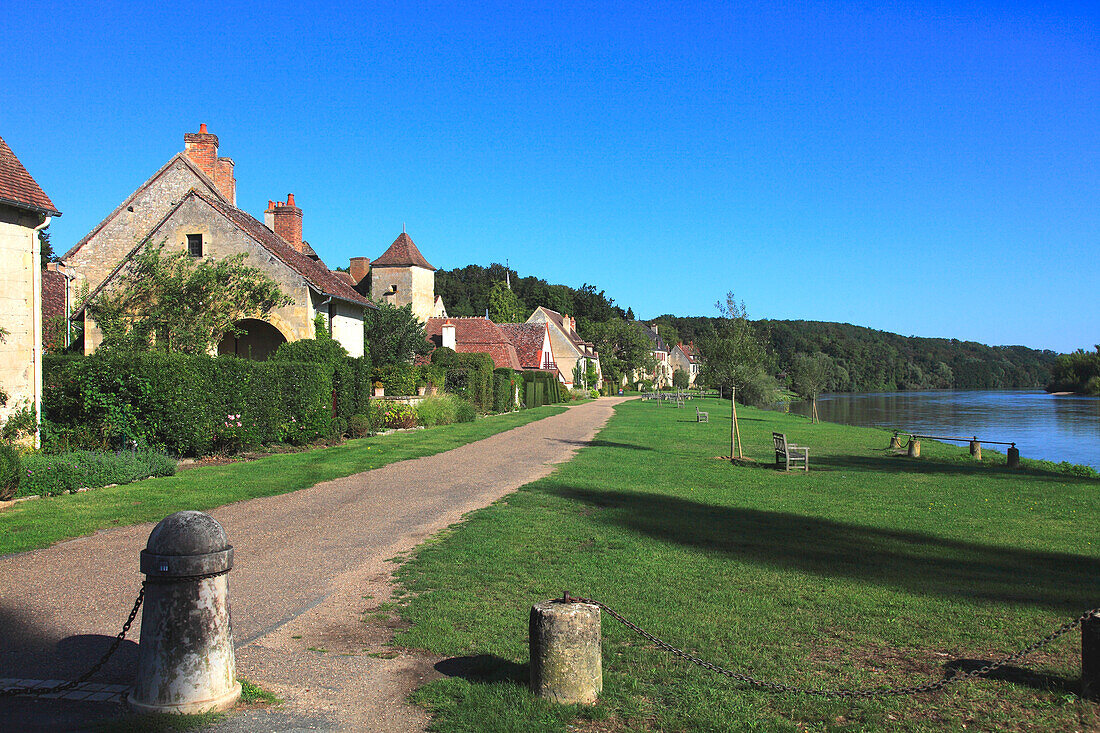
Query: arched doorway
259	340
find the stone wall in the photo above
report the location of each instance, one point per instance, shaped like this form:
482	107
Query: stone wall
415	285
20	289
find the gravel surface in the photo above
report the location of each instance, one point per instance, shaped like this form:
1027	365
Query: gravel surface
310	566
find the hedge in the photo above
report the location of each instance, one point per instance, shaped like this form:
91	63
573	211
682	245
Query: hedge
49	475
468	375
504	390
397	379
189	405
540	388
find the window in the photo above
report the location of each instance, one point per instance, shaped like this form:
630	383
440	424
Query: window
194	245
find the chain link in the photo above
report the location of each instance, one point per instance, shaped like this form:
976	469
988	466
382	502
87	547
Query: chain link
119	637
841	693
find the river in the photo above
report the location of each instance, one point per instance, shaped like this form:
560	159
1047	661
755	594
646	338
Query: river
1063	428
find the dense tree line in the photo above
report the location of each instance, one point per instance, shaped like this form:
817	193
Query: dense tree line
466	292
877	361
1077	372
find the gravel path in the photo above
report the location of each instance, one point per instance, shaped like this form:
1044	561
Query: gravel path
309	566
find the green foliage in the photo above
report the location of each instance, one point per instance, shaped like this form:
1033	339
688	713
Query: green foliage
1077	372
318	350
469	376
812	375
540	388
441	410
394	335
397	415
179	304
359	426
464	411
50	475
20	423
183	405
623	349
734	357
11	471
504	306
433	374
680	379
320	328
398	379
504	389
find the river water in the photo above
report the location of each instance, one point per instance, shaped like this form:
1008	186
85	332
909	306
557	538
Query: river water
1064	428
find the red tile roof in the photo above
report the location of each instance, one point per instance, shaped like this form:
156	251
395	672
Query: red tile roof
528	339
401	253
476	336
17	188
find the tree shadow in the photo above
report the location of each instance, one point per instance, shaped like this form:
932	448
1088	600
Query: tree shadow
484	668
910	561
599	444
1016	675
901	464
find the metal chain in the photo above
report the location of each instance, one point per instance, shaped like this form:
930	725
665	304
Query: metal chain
864	693
13	691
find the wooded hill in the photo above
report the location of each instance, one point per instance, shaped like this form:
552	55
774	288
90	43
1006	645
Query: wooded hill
869	360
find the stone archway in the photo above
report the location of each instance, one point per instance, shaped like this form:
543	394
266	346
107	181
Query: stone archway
259	340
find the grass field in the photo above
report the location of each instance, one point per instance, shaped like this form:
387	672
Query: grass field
873	569
32	524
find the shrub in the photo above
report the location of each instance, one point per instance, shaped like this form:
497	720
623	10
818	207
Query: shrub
398	415
307	394
319	351
397	379
338	428
20	423
359	426
11	471
504	381
433	374
464	411
440	410
51	475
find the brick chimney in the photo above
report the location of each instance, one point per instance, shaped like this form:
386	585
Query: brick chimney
359	268
202	148
449	339
285	219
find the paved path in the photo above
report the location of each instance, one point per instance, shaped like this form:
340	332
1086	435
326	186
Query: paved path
308	565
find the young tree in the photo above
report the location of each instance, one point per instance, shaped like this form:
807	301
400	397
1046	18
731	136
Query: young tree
734	359
810	376
680	379
394	335
623	348
173	302
504	306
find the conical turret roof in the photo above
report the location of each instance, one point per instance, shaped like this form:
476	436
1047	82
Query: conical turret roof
402	253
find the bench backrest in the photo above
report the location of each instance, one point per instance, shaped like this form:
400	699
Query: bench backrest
780	442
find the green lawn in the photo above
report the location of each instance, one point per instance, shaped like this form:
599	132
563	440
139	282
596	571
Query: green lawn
873	569
31	524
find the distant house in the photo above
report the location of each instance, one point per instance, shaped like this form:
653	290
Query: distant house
661	376
533	345
568	346
25	210
685	357
189	205
476	335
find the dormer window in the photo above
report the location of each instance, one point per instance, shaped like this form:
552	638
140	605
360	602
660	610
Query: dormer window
194	245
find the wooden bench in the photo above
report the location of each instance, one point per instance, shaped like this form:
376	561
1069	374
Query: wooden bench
701	416
788	453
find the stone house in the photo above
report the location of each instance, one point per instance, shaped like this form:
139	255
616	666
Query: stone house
568	346
685	357
661	376
189	205
25	210
400	276
533	346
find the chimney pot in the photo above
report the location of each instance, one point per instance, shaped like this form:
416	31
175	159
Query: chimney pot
290	199
287	222
202	128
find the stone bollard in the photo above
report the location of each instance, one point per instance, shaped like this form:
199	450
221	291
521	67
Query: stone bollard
914	448
1090	658
186	662
894	442
976	449
565	652
1013	457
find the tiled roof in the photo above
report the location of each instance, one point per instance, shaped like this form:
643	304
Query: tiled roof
655	339
559	321
53	294
476	335
528	339
402	253
17	188
316	274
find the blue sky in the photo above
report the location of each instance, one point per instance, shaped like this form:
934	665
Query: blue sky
930	169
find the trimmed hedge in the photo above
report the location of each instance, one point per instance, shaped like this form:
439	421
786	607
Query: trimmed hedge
504	390
397	379
468	375
190	405
11	471
540	388
49	475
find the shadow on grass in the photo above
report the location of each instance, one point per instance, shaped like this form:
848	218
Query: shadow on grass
911	561
600	444
1016	675
484	668
901	464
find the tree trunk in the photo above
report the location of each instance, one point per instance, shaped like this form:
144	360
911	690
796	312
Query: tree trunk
735	432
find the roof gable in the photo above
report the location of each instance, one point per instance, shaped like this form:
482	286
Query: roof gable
529	339
477	335
18	188
177	158
402	253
